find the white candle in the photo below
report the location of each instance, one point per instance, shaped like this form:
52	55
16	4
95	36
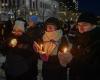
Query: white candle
41	46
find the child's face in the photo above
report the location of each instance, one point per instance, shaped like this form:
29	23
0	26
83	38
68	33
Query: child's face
17	32
51	28
31	23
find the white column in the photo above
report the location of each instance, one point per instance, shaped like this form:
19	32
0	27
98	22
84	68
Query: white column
28	4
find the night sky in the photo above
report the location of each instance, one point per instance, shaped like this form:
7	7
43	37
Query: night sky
90	5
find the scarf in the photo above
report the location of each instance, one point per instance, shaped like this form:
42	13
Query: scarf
51	42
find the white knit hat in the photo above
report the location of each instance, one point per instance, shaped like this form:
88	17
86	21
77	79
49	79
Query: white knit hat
19	25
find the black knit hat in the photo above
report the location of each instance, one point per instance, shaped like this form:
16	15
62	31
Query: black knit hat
87	17
53	21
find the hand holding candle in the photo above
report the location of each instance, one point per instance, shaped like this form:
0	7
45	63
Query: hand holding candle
39	48
67	49
65	56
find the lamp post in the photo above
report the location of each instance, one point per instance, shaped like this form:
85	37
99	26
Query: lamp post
4	7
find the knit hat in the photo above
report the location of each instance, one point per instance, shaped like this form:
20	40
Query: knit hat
87	17
53	21
34	18
19	25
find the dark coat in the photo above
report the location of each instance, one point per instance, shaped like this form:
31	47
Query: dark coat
86	52
34	33
19	59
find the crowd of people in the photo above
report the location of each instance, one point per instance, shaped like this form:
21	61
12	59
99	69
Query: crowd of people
68	52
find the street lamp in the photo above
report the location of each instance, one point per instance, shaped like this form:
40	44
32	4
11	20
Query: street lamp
6	4
3	4
30	13
18	12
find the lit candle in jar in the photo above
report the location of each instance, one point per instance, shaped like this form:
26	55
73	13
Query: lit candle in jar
13	42
65	50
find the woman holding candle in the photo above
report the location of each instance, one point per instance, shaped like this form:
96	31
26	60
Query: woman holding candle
19	59
52	68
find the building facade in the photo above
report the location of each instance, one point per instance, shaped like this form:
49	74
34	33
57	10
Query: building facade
41	8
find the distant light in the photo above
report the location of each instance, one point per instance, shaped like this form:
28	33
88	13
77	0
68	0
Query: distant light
3	4
30	13
71	18
36	13
18	10
6	4
12	17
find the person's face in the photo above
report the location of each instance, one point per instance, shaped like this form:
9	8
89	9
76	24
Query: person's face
31	23
17	32
84	27
51	28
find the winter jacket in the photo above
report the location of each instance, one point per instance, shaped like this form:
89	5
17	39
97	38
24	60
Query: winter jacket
86	52
19	59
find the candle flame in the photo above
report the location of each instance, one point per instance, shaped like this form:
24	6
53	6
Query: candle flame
41	46
43	52
13	42
65	50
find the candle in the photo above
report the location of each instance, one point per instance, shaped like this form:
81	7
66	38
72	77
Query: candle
13	42
65	50
43	52
41	47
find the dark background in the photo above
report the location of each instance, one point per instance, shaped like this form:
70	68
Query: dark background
87	5
90	5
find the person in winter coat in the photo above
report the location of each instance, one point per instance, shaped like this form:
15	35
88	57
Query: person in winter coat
85	64
34	32
19	51
51	51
